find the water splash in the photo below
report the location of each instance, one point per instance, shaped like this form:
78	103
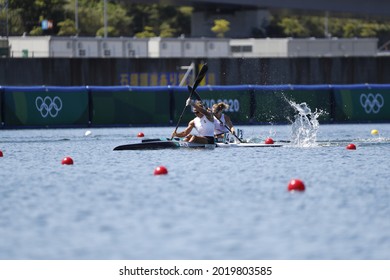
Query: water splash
305	126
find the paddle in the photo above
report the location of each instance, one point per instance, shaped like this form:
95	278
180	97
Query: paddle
198	79
197	96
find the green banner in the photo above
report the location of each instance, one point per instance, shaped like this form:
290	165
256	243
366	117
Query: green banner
69	106
130	106
45	107
362	104
238	99
273	106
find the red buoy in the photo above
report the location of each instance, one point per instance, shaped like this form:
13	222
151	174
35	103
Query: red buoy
1	153
67	160
269	141
140	134
351	147
160	170
296	185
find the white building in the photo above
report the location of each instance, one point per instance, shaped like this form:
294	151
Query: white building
189	47
48	46
121	47
311	47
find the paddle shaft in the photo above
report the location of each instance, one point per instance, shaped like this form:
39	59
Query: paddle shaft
198	79
197	96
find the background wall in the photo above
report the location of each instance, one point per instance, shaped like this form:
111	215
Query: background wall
161	72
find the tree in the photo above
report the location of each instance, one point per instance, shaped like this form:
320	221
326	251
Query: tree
15	21
128	19
166	30
221	26
36	31
124	17
293	27
67	28
91	20
147	33
33	11
118	21
351	29
111	32
159	17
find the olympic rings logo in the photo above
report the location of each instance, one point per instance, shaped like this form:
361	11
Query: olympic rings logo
372	103
47	106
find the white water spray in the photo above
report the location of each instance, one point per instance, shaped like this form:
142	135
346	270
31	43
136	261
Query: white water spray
304	128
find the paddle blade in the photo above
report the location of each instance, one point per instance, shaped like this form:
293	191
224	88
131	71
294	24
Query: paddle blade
200	76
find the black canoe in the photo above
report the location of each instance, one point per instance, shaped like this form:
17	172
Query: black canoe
149	145
166	143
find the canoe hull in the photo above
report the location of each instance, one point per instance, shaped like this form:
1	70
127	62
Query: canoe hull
247	145
158	144
152	145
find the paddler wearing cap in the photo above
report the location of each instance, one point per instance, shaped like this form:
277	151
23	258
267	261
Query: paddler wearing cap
203	123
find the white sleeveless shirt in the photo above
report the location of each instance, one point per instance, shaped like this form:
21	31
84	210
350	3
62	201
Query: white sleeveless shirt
204	126
219	127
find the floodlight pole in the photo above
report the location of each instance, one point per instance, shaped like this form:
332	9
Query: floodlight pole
105	18
326	25
76	16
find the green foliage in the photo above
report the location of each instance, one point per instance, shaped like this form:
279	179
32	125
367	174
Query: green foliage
67	28
130	19
36	31
220	27
147	33
111	32
186	11
124	18
351	29
369	29
293	27
31	11
15	22
314	26
159	17
166	30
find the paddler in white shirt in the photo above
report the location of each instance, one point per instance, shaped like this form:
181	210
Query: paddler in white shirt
221	120
203	123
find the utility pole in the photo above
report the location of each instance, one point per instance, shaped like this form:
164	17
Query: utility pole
326	23
105	18
4	23
7	20
76	16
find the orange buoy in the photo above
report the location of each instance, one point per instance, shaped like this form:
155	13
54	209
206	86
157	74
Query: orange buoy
296	185
160	170
1	153
269	141
351	147
140	134
67	160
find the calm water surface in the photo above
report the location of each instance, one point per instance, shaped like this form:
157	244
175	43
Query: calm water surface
213	204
